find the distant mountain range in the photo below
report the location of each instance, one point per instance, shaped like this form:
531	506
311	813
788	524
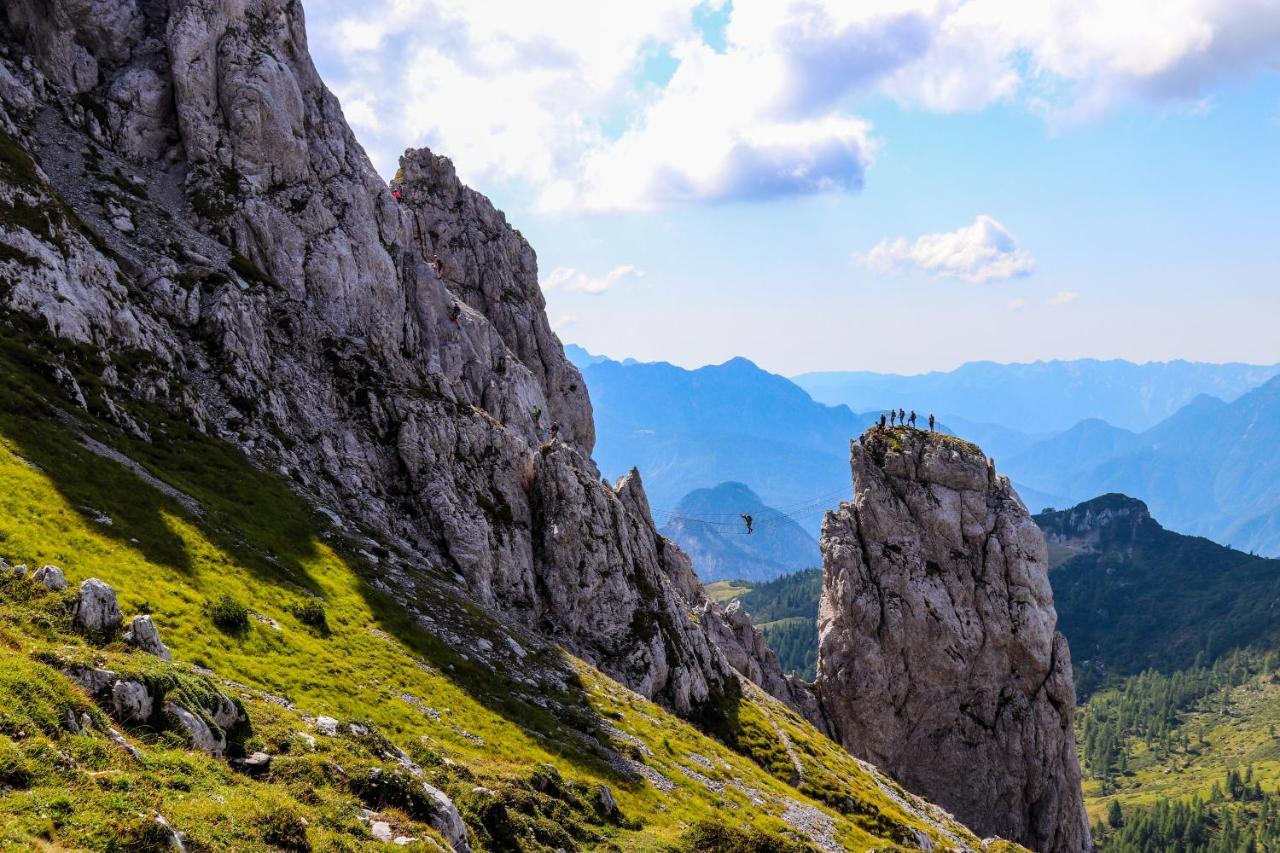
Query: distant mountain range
707	524
1045	396
1210	469
1132	595
731	422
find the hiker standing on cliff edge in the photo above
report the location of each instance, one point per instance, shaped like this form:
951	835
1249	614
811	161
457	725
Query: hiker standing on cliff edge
930	422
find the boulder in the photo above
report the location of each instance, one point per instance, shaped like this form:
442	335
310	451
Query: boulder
606	805
92	680
52	578
96	610
446	820
142	632
255	764
131	702
199	735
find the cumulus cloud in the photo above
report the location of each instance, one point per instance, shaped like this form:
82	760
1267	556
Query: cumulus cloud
574	281
561	95
983	251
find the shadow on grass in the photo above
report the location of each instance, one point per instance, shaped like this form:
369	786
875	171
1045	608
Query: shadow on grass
251	515
247	513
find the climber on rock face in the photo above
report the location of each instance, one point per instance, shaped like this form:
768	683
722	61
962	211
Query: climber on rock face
396	195
455	313
750	522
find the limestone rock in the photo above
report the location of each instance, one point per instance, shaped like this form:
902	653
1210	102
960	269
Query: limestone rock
606	805
142	632
199	735
51	577
131	702
120	741
227	713
92	680
938	655
446	819
731	631
394	357
96	610
255	764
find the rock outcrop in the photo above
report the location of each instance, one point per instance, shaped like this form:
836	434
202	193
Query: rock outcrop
51	577
142	632
96	610
193	210
938	655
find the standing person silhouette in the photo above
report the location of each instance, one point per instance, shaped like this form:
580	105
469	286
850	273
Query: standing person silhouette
912	419
931	422
902	417
893	419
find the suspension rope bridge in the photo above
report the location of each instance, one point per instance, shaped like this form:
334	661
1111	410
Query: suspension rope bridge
732	523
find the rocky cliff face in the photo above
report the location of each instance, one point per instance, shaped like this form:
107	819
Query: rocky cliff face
185	211
1112	521
938	655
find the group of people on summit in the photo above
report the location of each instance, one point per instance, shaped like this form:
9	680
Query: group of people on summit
901	418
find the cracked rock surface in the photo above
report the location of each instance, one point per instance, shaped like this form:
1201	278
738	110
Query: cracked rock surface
938	655
198	215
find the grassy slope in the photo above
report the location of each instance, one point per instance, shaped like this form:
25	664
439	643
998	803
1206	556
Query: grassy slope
260	545
1237	733
1233	728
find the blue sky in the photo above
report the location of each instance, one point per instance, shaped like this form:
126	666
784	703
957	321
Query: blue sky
903	188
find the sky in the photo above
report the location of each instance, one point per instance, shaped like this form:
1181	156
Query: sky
828	185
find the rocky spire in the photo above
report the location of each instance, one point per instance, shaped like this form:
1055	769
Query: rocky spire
938	655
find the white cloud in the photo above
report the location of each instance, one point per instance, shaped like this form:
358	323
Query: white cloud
564	321
1061	298
556	94
983	251
1018	304
574	281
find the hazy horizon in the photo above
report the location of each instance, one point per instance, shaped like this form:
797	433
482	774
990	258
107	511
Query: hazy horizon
950	369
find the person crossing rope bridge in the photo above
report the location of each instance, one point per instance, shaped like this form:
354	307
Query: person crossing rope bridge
749	522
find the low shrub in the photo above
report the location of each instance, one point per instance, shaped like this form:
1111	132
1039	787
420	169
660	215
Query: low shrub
230	615
312	614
